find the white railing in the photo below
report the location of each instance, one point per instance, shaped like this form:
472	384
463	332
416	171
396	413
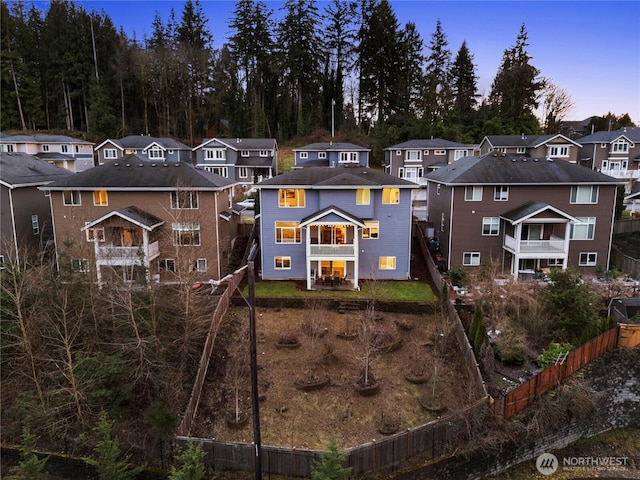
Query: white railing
332	250
553	245
619	173
115	253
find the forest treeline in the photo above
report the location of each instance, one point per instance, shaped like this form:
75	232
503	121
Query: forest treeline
349	67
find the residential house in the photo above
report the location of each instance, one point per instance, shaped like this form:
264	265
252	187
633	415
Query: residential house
150	148
527	214
614	153
335	226
330	154
70	153
244	160
25	216
556	146
137	220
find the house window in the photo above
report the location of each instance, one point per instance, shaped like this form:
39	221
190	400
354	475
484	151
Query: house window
264	153
244	153
439	152
77	148
584	194
410	173
398	152
186	234
348	157
322	155
35	224
521	150
458	154
64	148
363	196
304	155
387	263
559	151
200	265
45	148
94	234
282	263
371	230
490	225
390	196
502	150
288	232
442	222
1	262
214	154
167	265
501	193
130	151
588	259
79	265
291	197
185	200
8	148
414	155
243	172
426	152
555	262
620	146
438	188
110	153
71	197
473	194
100	198
155	153
585	230
222	171
471	259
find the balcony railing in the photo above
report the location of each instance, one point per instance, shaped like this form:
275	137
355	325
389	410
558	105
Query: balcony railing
338	250
620	173
554	245
129	254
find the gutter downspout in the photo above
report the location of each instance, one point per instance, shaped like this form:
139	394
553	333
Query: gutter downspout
217	219
13	225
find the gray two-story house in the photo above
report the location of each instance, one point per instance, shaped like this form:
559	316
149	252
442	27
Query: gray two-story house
335	226
330	154
149	148
73	154
243	160
556	146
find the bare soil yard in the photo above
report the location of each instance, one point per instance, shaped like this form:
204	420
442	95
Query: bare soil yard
291	417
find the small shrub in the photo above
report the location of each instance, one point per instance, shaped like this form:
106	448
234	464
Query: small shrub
288	337
459	277
511	346
382	337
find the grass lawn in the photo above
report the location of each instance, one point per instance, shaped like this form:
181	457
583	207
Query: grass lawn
407	291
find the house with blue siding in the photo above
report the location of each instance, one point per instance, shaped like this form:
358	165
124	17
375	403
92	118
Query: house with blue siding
335	226
243	160
329	154
148	148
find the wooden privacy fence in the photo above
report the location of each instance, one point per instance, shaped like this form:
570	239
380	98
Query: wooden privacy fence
625	263
521	397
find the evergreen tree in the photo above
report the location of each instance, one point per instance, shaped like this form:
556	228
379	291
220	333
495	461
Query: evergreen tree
410	87
191	462
30	466
476	321
515	89
437	96
331	464
464	85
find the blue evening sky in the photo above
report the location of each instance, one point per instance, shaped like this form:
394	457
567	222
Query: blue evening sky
589	48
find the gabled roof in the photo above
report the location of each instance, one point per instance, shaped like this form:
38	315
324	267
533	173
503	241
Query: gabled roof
22	169
331	147
132	214
332	209
631	134
424	144
532	209
339	177
240	143
131	173
142	142
4	138
510	169
525	141
544	139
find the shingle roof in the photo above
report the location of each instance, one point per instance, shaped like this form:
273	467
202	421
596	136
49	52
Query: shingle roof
143	141
133	173
42	139
331	147
498	169
529	209
323	177
631	133
430	143
242	143
23	169
138	216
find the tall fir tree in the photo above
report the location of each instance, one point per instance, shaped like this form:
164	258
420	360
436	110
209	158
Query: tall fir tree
464	84
438	91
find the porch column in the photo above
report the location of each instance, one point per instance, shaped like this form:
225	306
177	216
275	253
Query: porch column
308	257
96	248
517	237
356	255
567	240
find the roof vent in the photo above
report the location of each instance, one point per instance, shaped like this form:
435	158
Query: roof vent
141	165
177	164
115	164
524	159
535	160
495	154
165	164
504	154
549	159
127	165
513	160
153	164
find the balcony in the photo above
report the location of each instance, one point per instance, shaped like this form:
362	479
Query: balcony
116	255
620	173
332	250
553	246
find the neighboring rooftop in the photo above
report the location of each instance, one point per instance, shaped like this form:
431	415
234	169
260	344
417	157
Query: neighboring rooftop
18	169
425	144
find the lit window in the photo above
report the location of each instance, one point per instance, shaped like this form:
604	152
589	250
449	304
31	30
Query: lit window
100	198
71	197
390	195
471	259
184	200
490	225
585	230
501	193
387	263
371	230
363	196
584	194
282	263
79	265
473	194
588	259
110	153
167	264
35	224
291	197
439	152
288	232
186	233
200	265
